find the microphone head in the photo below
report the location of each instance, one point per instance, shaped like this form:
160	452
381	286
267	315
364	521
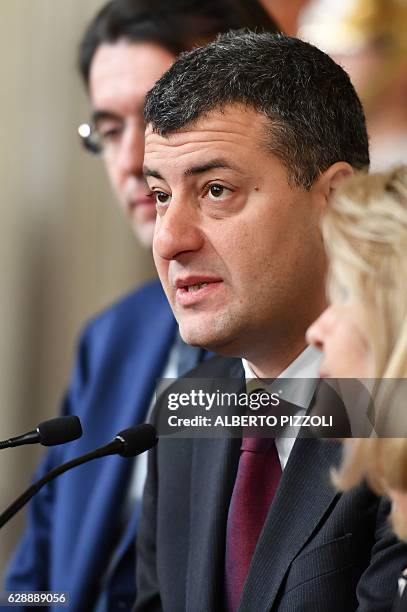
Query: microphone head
59	430
136	440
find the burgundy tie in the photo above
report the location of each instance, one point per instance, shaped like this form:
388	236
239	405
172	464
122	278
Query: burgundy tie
256	482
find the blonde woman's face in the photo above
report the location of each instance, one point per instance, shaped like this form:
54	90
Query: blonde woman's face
340	333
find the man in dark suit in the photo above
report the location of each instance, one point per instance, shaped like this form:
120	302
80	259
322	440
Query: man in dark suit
81	529
246	139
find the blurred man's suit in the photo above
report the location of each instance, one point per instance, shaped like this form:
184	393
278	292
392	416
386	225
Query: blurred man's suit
319	551
76	522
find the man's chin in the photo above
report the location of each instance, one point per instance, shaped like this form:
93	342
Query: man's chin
194	339
215	343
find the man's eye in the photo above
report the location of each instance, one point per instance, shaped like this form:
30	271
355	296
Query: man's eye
216	190
161	197
110	134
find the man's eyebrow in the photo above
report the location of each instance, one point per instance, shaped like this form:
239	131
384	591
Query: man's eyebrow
210	165
100	115
200	169
150	172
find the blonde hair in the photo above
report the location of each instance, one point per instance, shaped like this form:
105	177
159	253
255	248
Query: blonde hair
382	461
365	233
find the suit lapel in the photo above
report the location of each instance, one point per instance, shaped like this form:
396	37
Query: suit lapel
213	472
303	497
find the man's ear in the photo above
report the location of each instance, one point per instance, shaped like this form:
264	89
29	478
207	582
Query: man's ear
330	180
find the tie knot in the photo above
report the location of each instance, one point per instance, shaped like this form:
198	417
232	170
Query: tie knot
257	445
256	385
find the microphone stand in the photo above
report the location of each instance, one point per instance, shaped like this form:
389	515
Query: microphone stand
110	449
31	437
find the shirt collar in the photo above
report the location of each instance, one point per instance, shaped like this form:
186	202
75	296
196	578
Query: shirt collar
305	367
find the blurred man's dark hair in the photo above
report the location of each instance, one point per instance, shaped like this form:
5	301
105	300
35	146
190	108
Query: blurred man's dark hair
176	25
315	116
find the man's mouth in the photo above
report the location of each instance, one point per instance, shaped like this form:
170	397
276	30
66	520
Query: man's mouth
191	290
196	287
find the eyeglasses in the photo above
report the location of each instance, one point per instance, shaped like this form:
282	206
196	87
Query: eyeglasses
90	138
106	132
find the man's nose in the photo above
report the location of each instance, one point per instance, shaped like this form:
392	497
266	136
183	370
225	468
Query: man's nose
131	151
177	231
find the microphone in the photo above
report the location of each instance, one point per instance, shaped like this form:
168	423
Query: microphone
128	443
49	433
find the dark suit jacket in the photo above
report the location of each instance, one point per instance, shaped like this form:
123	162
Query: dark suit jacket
319	550
75	523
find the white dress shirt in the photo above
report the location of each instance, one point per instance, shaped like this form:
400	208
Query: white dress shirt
306	368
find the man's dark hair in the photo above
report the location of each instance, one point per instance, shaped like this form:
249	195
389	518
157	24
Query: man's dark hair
176	25
315	117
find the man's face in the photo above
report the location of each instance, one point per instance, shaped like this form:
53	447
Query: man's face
237	249
121	74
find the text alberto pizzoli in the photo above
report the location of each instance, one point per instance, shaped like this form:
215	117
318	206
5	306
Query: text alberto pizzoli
253	401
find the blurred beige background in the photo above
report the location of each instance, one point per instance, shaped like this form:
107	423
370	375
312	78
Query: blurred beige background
65	250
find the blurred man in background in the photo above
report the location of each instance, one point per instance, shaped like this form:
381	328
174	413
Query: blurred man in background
81	529
369	39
